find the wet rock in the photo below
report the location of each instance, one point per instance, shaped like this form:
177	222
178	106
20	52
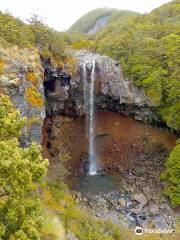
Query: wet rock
112	80
65	93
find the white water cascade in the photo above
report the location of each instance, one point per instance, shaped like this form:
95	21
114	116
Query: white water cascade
90	120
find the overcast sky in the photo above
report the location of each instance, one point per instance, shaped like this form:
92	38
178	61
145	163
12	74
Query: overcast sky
61	14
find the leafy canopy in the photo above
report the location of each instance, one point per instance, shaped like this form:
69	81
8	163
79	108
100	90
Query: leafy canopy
148	48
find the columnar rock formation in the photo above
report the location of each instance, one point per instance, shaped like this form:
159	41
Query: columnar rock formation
28	79
113	92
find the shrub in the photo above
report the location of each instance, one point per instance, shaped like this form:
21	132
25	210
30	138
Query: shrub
172	176
52	228
1	66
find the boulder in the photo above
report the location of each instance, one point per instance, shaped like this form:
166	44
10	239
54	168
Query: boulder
140	198
154	209
122	202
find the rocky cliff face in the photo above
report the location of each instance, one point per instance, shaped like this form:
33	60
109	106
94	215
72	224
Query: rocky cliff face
65	93
21	77
27	80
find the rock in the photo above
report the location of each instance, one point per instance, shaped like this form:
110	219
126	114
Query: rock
19	85
147	192
112	80
65	93
122	202
132	188
154	209
140	198
137	210
84	199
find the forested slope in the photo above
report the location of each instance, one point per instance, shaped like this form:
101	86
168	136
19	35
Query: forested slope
86	22
148	47
34	34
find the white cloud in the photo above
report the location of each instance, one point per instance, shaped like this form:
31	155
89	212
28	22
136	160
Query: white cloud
61	14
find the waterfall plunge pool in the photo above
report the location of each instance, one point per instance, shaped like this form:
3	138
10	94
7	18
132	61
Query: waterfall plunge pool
122	145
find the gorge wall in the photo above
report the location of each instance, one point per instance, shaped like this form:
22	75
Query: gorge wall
21	78
65	93
36	85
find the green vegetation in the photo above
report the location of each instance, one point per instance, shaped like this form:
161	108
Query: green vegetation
15	31
24	213
77	221
21	170
172	176
87	21
35	34
52	228
148	48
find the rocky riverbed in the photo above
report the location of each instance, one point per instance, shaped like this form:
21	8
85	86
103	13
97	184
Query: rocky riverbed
136	198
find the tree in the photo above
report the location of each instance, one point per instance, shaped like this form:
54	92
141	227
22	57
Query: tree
148	48
172	176
20	172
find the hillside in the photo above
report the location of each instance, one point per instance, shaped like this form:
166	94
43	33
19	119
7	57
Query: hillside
101	17
147	47
33	35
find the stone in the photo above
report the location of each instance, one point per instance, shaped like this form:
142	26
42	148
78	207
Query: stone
65	94
14	83
112	80
140	198
122	202
4	81
147	192
154	209
136	210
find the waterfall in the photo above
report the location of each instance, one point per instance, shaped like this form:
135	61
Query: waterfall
90	120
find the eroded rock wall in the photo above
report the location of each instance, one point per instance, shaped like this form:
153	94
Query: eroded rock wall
21	78
65	93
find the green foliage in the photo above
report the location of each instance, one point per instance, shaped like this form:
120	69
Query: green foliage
14	31
148	48
80	41
10	121
20	172
88	20
47	39
52	228
58	171
81	224
172	176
